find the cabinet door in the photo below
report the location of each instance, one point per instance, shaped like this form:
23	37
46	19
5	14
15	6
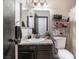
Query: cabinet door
44	55
26	52
26	55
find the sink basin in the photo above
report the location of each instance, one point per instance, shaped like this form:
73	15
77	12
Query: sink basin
36	40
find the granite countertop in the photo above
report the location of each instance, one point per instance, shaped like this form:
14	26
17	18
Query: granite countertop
43	42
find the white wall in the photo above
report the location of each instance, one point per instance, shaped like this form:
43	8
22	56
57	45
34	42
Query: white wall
24	17
17	13
73	29
61	6
58	6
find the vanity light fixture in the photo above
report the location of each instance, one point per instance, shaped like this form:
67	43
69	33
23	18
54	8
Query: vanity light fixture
39	3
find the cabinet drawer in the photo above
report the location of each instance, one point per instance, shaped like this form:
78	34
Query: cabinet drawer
25	55
45	47
23	48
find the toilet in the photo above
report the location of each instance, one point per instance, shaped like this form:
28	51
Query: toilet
63	53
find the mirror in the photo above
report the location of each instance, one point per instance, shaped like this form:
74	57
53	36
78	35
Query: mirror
39	23
39	20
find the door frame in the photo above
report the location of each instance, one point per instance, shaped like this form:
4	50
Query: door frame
46	22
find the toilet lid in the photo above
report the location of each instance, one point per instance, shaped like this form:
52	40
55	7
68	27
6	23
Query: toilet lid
65	54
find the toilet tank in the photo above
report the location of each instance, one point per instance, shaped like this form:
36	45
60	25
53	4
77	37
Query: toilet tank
60	42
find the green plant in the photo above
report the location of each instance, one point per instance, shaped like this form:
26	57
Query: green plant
47	34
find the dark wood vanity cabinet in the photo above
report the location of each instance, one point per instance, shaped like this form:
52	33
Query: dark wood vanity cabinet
44	52
44	55
35	52
26	52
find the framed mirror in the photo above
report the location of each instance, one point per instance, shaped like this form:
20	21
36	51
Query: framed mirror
39	23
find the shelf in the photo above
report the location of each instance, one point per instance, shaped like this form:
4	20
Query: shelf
61	20
60	28
59	36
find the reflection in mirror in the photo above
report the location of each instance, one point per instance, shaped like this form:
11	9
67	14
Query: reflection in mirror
42	24
39	23
30	22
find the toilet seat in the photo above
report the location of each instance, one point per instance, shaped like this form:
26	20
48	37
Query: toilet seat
65	54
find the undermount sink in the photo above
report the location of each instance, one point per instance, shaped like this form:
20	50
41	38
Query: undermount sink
36	40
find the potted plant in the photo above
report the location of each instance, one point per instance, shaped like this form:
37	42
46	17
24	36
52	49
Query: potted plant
47	35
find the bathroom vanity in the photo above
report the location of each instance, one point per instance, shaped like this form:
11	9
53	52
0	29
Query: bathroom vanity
35	50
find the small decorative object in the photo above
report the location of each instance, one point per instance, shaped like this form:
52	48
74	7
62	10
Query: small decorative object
34	33
61	33
68	19
29	36
57	17
23	25
47	35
